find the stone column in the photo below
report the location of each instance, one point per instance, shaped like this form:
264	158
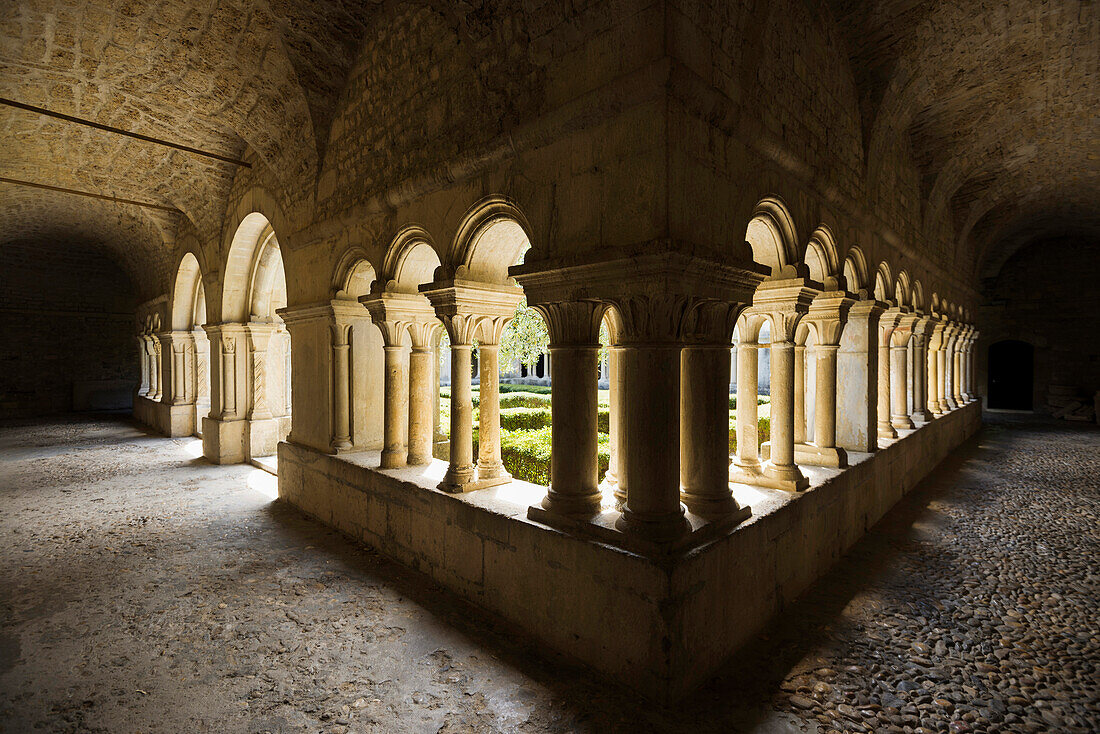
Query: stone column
258	337
704	411
614	381
460	471
143	361
490	467
887	322
423	392
799	393
396	411
229	378
949	366
158	369
956	382
857	378
921	330
780	468
827	315
971	365
341	387
899	344
936	361
746	465
649	459
574	328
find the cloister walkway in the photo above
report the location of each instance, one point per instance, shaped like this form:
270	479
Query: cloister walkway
142	589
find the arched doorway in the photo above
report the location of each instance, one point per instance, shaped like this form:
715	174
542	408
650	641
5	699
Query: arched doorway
1011	375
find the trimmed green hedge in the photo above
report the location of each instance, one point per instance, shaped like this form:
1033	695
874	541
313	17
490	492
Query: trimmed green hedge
760	400
524	419
763	432
532	418
525	400
537	389
526	454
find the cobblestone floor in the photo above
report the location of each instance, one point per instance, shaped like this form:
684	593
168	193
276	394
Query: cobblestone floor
143	590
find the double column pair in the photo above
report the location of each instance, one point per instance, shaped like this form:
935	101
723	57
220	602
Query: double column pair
408	326
473	311
671	373
782	304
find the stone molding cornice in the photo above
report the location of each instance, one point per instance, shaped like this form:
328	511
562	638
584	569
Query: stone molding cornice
662	267
336	309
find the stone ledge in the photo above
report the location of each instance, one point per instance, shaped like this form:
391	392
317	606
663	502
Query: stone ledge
658	626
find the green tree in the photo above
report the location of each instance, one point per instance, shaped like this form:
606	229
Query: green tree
525	338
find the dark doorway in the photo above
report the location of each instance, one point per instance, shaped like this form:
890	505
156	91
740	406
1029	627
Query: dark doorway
1011	374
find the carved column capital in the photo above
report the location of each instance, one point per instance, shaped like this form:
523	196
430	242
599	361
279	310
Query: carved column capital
651	319
710	321
573	323
828	313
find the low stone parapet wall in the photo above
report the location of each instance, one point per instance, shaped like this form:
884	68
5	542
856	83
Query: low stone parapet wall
658	626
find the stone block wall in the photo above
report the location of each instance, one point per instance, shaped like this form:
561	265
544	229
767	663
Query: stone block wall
67	319
1046	295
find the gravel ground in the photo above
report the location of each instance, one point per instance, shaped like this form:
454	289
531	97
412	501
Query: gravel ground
143	590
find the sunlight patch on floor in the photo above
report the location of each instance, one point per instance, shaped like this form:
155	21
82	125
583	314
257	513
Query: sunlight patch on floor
264	483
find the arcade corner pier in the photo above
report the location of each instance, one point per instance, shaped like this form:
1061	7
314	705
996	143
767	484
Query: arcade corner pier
789	291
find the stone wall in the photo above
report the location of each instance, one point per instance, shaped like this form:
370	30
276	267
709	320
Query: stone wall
67	318
1046	295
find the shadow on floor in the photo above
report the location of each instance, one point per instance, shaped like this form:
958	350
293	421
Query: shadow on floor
750	680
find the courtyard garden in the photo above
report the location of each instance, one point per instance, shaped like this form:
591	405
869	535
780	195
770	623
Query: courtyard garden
525	428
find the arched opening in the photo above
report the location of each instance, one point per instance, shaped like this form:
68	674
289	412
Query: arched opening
855	271
188	317
365	360
1011	375
256	367
771	235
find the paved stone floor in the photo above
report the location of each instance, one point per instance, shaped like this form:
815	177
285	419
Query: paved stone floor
144	590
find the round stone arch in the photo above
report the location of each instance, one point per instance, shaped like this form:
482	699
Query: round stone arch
493	236
772	236
353	276
916	296
411	260
821	257
856	273
254	282
884	283
188	300
902	294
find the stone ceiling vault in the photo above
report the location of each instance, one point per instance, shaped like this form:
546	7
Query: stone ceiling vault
1000	102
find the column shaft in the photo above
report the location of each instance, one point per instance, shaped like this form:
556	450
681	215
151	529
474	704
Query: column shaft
799	393
781	467
704	430
899	417
885	429
341	390
825	404
650	459
574	471
748	447
460	472
422	399
396	412
489	465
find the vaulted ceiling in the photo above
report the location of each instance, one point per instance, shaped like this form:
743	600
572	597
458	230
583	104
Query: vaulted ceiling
1000	100
213	75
